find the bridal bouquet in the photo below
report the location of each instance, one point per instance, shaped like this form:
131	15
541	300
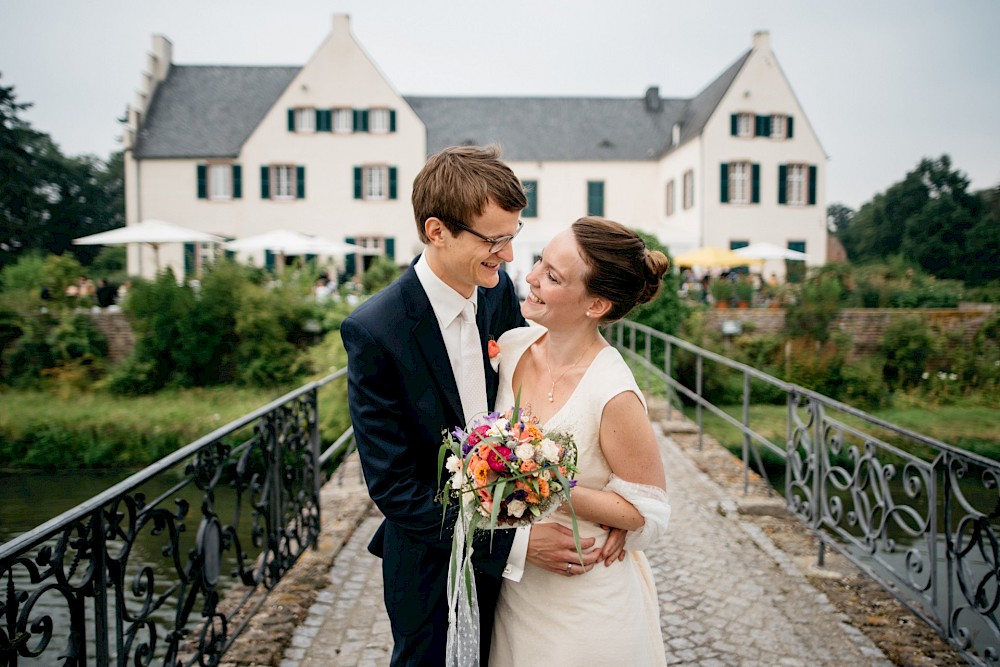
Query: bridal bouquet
506	469
506	473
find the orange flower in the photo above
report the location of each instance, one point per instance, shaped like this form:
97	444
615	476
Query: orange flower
528	466
532	497
493	348
480	471
543	488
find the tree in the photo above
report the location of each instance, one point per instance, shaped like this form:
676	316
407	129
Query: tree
838	217
48	199
21	201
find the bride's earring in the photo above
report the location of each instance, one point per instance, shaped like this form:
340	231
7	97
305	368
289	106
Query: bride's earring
588	313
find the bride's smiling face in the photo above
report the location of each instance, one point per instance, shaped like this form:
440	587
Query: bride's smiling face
556	292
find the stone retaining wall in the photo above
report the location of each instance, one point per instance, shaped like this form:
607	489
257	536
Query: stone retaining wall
118	331
864	326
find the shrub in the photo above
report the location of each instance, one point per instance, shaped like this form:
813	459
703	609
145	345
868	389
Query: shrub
379	273
812	315
907	345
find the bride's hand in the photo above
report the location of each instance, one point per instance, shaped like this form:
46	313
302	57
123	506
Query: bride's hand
614	548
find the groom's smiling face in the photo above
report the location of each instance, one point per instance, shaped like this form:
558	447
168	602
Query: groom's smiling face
465	259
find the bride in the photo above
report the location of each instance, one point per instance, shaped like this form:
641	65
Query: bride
573	381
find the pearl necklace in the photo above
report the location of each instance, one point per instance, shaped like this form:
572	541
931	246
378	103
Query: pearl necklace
548	367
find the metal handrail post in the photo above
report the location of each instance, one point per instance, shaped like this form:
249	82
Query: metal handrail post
746	434
697	390
314	453
667	372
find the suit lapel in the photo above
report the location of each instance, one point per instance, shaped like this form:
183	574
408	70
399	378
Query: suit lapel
428	339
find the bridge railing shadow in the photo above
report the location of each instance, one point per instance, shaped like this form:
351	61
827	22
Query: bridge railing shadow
167	566
917	515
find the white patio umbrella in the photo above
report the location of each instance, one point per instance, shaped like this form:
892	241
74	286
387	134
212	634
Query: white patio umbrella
285	242
151	232
764	250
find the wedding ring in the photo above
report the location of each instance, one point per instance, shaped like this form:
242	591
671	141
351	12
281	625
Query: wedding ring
569	566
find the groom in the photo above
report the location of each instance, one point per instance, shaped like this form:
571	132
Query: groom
408	380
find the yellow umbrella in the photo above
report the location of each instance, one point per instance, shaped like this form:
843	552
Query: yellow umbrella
710	256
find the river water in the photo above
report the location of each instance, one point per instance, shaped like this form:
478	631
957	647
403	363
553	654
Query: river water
28	500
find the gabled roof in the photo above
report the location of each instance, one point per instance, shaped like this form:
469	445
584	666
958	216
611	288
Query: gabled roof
208	111
570	128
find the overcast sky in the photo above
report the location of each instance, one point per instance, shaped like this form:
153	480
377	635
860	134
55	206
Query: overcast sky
884	83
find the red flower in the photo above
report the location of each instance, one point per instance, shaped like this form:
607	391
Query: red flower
493	348
497	458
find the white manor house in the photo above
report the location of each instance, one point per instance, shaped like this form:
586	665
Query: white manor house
331	149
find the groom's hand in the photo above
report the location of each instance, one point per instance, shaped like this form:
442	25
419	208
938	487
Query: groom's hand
551	547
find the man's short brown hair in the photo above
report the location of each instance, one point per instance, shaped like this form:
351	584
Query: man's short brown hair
458	182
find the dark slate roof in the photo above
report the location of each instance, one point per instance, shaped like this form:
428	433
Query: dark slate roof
570	128
208	111
550	128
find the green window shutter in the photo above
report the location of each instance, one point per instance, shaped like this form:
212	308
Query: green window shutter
357	183
788	128
782	184
269	260
392	183
392	120
202	172
812	185
189	250
531	190
300	182
755	184
800	246
361	120
763	126
724	183
291	120
734	124
390	248
265	182
595	198
237	181
349	260
736	245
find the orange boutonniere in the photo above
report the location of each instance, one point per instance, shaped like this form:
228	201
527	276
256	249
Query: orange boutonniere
493	349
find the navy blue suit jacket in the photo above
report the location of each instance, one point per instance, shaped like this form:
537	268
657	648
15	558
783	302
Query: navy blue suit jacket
402	394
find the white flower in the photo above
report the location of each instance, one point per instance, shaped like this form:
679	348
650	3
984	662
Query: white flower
550	450
495	363
516	508
525	451
545	474
500	427
453	464
925	375
952	376
457	480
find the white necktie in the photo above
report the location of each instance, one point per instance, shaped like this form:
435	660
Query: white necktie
472	383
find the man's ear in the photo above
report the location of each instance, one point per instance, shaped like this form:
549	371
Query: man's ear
435	230
598	307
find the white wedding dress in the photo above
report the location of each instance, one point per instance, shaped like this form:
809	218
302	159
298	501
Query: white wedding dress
610	615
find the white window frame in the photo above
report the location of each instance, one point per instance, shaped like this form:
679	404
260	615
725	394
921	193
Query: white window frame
378	120
688	189
779	126
371	243
740	182
283	181
343	120
745	124
670	197
797	184
305	120
220	181
375	182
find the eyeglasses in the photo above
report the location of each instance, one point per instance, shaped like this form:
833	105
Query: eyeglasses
496	244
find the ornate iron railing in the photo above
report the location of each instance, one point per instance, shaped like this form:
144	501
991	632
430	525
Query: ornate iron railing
135	575
919	516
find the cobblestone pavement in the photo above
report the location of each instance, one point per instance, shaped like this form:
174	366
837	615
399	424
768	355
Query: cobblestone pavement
728	596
